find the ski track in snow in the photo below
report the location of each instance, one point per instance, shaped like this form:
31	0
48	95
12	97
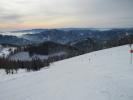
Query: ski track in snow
101	75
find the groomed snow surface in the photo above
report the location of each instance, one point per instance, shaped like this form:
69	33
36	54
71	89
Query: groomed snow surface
101	75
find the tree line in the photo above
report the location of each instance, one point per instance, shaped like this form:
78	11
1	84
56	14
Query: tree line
12	66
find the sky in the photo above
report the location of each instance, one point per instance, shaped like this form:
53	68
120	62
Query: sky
28	14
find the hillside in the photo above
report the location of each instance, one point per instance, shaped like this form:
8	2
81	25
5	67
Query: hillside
64	36
101	75
44	51
5	51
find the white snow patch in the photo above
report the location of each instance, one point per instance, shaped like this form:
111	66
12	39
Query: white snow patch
24	56
5	51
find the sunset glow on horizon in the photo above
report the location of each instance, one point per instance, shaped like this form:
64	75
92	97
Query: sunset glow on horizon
25	14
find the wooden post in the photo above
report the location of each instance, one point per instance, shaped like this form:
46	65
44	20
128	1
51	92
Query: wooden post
130	45
131	57
131	51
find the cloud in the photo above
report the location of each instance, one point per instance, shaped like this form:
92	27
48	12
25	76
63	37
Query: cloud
72	12
10	18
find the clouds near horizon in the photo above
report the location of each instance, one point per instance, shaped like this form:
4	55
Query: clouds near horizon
19	14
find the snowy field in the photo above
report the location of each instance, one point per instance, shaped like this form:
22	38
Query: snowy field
101	75
24	56
5	51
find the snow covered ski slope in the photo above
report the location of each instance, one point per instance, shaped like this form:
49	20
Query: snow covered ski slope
101	75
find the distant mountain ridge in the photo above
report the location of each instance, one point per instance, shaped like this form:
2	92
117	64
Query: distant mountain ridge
64	35
13	40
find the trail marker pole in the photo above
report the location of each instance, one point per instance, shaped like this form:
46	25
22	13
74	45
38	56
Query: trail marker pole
131	58
131	51
130	44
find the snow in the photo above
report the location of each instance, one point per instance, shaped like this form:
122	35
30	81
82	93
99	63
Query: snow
24	56
100	75
5	51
